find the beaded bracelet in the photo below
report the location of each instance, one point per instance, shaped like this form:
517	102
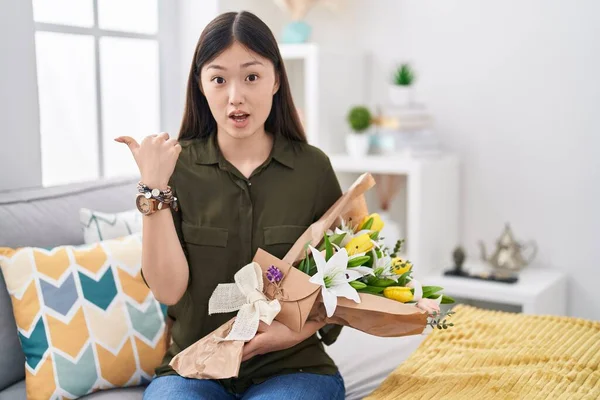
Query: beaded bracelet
164	196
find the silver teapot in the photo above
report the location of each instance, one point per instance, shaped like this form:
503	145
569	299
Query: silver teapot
510	254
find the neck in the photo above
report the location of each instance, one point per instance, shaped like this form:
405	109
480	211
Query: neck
254	149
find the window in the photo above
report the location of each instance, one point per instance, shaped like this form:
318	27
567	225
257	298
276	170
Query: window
98	78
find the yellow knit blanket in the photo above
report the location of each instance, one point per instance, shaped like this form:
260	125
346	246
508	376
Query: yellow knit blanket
499	355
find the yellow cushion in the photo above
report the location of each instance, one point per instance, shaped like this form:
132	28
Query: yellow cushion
85	318
499	355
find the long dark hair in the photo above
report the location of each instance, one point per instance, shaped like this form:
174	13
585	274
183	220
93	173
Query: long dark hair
249	30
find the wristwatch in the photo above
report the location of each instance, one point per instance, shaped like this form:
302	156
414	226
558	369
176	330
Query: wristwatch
148	206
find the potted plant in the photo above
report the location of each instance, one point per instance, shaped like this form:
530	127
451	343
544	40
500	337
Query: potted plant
400	90
357	141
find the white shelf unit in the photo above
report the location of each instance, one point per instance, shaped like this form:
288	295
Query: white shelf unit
426	207
325	84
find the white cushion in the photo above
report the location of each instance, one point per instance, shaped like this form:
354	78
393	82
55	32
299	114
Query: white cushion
98	226
365	360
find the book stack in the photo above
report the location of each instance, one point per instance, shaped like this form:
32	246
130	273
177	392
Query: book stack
405	129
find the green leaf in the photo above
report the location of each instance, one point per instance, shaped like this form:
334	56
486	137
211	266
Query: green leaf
305	263
301	265
428	291
447	299
358	261
328	249
373	281
374	235
372	289
367	225
311	266
358	285
369	262
337	238
404	277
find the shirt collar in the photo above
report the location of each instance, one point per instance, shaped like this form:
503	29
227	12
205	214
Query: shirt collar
208	152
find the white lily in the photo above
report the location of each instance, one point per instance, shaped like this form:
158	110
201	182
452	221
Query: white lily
418	293
349	232
334	276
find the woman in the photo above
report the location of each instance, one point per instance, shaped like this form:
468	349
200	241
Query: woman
245	178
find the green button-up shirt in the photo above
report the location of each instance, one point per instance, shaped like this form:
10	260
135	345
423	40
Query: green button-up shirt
224	218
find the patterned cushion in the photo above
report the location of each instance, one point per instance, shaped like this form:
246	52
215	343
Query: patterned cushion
98	226
85	318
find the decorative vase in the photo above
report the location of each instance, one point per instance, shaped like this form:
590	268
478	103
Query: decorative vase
357	144
400	95
296	32
383	143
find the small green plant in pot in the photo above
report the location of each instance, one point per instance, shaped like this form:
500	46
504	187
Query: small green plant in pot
400	90
360	120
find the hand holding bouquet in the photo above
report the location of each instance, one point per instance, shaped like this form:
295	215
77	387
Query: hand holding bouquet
336	272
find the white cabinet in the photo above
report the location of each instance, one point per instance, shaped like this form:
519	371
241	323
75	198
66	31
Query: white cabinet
538	291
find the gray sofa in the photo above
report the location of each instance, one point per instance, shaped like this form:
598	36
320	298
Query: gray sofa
46	218
50	217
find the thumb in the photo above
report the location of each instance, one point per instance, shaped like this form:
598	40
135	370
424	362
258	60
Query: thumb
129	141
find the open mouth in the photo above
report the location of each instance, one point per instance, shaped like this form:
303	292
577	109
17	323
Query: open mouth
239	117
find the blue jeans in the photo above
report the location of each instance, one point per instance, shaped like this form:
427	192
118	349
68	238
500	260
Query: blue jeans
296	386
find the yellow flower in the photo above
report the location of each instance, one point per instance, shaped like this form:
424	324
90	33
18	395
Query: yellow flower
398	293
359	244
377	222
399	266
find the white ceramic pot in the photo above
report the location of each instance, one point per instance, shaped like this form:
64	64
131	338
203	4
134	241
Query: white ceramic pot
357	144
400	95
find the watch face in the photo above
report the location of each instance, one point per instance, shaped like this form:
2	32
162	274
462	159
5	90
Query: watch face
143	204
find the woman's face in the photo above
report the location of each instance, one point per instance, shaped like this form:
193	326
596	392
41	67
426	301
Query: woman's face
239	86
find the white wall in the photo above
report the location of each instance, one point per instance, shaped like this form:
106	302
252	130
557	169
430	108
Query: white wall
514	88
20	154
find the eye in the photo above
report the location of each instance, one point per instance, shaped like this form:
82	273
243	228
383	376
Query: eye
252	78
218	80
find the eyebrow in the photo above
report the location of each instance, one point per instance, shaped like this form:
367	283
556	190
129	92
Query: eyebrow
244	65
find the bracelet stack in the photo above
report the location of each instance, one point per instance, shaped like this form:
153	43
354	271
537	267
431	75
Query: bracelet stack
164	196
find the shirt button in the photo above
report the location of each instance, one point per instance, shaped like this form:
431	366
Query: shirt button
249	183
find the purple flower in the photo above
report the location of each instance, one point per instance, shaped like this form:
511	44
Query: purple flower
274	274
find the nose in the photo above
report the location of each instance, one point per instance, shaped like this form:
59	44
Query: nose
236	95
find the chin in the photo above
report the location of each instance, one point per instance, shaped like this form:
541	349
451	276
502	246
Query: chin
242	133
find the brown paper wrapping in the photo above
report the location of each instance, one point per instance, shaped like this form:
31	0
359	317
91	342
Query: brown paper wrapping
209	358
376	316
352	206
